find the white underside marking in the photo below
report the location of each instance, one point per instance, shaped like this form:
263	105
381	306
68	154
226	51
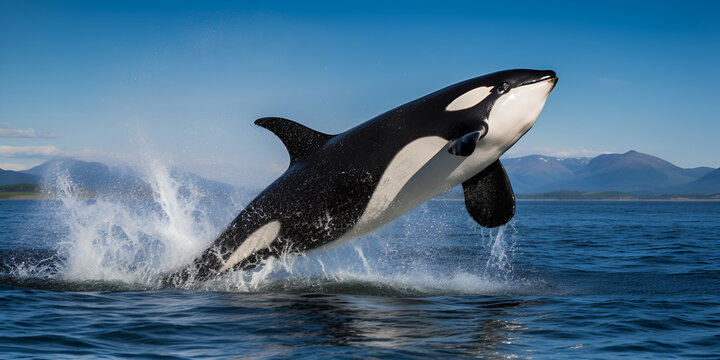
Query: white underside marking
469	99
259	239
401	169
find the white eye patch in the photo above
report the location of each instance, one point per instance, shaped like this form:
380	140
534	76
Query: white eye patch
469	99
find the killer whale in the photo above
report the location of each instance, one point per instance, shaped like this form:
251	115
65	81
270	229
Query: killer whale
339	187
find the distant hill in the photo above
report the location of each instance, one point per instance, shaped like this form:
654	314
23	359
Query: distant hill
9	177
91	176
631	172
628	172
528	173
698	172
708	184
98	178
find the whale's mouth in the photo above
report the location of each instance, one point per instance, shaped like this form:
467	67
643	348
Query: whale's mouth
547	75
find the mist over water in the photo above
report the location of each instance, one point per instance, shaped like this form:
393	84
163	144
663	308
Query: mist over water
123	239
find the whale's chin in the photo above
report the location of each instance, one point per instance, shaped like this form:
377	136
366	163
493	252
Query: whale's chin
515	113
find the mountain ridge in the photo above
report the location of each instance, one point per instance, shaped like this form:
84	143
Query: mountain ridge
11	177
92	178
630	172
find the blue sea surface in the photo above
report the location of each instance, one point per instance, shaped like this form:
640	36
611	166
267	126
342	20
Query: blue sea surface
563	280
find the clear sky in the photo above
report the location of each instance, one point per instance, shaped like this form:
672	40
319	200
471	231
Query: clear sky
184	81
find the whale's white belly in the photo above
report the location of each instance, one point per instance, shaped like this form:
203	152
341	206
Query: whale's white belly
420	171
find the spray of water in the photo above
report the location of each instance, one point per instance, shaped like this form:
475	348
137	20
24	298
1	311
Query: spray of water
131	238
121	238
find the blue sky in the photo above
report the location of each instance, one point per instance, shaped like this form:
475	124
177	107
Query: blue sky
183	81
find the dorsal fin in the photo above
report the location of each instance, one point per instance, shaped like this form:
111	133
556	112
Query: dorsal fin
300	140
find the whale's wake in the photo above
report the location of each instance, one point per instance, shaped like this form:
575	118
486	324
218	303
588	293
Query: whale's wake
121	242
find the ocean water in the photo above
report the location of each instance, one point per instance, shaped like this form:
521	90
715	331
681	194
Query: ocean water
564	280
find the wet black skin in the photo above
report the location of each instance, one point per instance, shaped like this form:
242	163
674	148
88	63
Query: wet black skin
331	178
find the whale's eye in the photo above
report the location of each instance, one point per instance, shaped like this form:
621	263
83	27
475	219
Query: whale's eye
503	88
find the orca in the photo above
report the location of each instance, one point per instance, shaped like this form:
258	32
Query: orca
339	187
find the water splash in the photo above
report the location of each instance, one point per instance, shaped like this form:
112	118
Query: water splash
501	245
118	236
131	239
364	266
